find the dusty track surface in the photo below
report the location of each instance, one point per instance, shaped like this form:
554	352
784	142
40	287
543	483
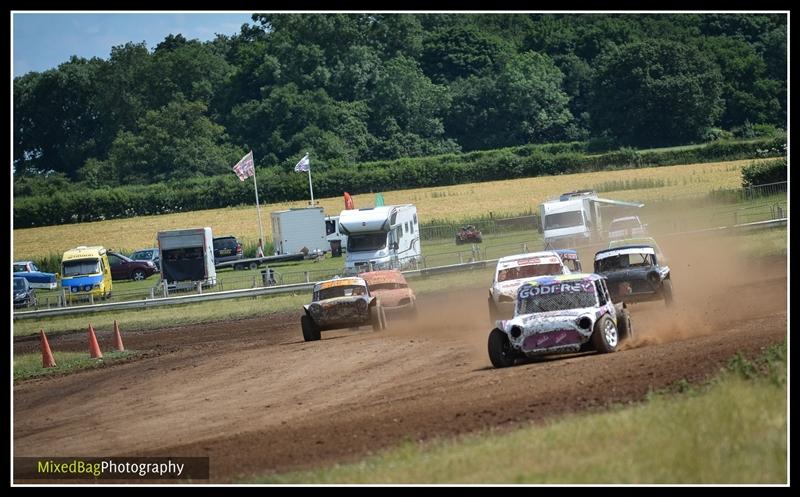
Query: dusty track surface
255	398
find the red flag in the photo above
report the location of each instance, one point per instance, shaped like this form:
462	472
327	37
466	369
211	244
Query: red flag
245	167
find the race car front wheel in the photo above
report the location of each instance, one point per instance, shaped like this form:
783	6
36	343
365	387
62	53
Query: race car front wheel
500	352
667	289
311	332
605	336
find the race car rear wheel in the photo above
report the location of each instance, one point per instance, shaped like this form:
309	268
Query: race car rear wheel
311	332
667	289
376	317
624	326
605	337
500	352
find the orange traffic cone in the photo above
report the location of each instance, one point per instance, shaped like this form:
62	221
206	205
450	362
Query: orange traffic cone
94	348
118	337
47	355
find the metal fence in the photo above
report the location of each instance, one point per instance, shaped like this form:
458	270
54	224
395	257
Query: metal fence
486	226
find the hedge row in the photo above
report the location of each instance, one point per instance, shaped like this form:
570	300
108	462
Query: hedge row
763	173
277	185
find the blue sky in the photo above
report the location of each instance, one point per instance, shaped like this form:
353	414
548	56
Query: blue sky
43	41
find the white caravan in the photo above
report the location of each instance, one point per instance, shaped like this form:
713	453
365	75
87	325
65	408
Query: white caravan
574	219
380	237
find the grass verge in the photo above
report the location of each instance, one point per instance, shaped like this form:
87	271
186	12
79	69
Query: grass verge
731	430
28	366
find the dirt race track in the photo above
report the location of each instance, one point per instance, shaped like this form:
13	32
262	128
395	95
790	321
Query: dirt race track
255	398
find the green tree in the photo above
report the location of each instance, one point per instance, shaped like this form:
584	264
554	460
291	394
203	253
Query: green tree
406	102
176	141
56	118
524	103
656	93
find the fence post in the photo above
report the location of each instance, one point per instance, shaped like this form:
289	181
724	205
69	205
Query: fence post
525	247
460	259
199	287
306	273
166	292
152	293
91	298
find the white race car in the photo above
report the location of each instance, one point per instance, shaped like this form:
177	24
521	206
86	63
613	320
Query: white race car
560	314
512	271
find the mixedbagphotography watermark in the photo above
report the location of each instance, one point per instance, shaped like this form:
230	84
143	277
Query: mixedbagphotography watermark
111	468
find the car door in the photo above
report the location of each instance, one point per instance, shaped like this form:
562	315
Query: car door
119	268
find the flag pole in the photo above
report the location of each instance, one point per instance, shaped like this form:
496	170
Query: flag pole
258	208
311	188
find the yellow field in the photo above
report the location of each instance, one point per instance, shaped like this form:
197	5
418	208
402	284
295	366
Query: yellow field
453	202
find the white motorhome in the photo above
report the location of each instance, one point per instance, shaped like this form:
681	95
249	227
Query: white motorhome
187	257
294	229
381	237
574	218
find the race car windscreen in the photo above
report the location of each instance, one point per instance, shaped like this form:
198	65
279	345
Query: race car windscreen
529	271
623	261
339	291
387	286
551	298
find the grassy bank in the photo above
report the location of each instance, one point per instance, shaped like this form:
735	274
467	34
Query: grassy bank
28	366
732	430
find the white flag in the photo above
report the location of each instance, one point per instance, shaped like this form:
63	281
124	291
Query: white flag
245	167
303	165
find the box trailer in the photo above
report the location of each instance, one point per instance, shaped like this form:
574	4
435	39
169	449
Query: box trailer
187	257
295	229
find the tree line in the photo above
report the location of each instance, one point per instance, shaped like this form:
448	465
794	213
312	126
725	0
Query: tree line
356	88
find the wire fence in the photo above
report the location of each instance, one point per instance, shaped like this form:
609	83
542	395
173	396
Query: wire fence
732	207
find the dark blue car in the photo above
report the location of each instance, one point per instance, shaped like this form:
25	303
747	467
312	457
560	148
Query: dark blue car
24	295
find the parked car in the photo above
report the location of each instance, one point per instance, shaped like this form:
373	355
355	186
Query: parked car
149	254
560	314
393	290
125	268
626	227
24	293
634	273
226	249
514	270
341	303
469	234
36	278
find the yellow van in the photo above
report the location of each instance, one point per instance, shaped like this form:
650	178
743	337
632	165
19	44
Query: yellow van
85	271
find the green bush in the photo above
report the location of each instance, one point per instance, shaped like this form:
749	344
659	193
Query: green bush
765	172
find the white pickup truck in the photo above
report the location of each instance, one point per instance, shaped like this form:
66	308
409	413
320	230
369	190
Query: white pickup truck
626	227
